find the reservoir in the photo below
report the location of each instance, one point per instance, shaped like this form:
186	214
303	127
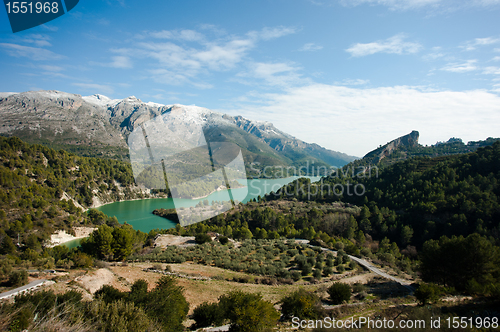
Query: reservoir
138	213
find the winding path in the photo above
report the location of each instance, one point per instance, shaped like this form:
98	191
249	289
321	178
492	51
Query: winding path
369	267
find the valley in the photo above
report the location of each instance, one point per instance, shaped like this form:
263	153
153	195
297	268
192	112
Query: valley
423	212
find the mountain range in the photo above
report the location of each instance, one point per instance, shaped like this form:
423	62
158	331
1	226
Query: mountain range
99	126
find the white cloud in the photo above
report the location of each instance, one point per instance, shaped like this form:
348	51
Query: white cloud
178	63
95	88
353	82
187	35
463	67
435	54
491	71
168	77
121	61
497	58
272	33
356	121
473	44
310	47
33	53
38	39
224	56
393	45
275	74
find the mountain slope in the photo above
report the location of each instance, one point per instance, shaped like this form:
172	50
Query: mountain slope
99	122
407	146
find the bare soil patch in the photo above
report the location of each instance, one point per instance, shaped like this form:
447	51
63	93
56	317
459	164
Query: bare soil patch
164	240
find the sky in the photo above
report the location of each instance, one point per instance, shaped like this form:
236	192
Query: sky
349	75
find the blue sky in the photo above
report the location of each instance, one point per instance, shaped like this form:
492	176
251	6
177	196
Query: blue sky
348	75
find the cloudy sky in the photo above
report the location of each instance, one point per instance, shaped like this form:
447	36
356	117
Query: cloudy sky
349	75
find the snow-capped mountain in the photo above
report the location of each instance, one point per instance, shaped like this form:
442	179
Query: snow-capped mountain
97	121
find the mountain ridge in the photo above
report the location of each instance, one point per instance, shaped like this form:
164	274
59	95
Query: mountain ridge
101	122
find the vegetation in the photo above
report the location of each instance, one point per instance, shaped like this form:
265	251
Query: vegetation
113	243
271	258
339	292
468	264
434	218
162	309
426	293
244	311
303	304
165	304
41	190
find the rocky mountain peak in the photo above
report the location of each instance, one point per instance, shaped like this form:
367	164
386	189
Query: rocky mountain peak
409	140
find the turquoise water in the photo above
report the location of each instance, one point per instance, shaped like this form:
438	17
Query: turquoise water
139	214
72	244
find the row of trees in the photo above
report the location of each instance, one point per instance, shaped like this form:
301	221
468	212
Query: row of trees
273	258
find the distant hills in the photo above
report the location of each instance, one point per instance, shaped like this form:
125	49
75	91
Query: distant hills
407	146
99	126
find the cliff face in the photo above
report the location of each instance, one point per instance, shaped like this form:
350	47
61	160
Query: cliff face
375	156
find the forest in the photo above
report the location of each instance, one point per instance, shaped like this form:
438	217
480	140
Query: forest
434	219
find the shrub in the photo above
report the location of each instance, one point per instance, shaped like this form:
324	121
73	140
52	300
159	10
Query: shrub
301	303
208	314
317	274
306	269
18	278
327	271
223	240
339	292
248	312
109	294
358	287
202	238
296	275
119	316
339	260
426	293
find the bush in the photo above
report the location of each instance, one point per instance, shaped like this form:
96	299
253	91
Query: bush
358	287
296	275
306	269
248	312
223	240
202	238
339	292
208	314
119	316
426	293
317	274
340	269
301	304
18	278
109	294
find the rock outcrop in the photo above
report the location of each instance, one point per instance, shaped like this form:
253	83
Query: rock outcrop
375	156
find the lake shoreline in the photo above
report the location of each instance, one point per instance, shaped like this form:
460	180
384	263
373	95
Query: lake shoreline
60	237
138	212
